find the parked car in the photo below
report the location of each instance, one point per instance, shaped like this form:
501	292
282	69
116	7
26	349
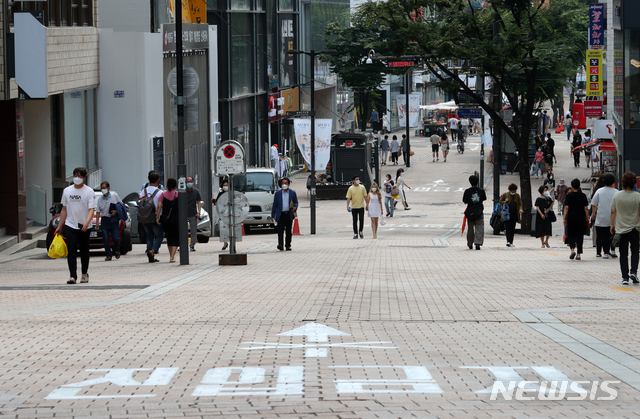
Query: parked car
259	186
96	239
137	231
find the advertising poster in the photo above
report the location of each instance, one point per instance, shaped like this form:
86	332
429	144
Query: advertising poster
414	109
287	42
302	131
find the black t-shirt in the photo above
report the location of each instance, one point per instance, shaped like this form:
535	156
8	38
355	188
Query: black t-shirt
576	201
474	197
551	144
193	197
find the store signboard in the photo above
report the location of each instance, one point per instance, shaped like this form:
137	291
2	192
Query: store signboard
594	73
593	108
596	25
603	129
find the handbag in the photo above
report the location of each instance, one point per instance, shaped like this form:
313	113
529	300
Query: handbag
552	216
506	216
615	241
58	248
383	222
395	192
533	169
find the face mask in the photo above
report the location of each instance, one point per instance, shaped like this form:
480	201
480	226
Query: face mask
374	189
105	191
358	182
190	185
547	194
285	187
512	193
78	180
225	188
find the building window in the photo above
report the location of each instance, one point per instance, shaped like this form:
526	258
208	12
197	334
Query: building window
632	77
242	68
58	12
79	131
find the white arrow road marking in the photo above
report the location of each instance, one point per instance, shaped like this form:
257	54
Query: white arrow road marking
315	332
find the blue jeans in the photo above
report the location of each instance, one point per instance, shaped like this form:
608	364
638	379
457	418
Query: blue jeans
154	236
539	167
388	204
110	228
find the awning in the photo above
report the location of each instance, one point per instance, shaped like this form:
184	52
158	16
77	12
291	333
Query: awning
445	106
608	146
590	144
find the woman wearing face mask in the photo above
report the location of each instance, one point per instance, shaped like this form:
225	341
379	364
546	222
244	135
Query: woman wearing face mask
168	217
401	185
374	208
106	208
225	188
539	161
388	198
515	210
544	205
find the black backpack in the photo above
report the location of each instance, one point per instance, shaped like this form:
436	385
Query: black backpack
147	208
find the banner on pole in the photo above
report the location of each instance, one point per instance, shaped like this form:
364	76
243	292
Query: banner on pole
302	131
414	109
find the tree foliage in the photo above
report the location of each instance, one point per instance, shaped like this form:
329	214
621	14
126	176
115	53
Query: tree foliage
528	48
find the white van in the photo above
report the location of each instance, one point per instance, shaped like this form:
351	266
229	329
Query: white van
258	185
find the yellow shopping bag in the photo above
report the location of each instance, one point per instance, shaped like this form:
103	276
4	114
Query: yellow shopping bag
58	248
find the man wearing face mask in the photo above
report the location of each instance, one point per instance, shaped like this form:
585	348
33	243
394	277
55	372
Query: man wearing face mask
194	206
356	199
78	205
106	208
283	212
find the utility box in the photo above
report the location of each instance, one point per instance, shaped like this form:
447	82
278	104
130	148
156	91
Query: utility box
352	156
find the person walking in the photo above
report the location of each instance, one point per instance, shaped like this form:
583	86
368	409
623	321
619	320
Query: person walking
577	142
561	194
194	206
545	123
386	123
388	198
543	205
552	147
283	212
148	215
453	128
224	188
474	197
435	146
576	218
356	202
625	218
539	161
514	203
374	207
444	146
464	123
601	216
587	150
78	205
568	126
384	146
401	184
106	207
273	155
168	217
404	148
395	148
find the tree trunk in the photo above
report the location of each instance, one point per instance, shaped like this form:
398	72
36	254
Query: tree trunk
525	181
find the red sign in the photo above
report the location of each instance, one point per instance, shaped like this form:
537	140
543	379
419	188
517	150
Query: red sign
400	64
348	143
229	151
593	108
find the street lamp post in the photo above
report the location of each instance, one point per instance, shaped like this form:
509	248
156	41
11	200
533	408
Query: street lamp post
182	168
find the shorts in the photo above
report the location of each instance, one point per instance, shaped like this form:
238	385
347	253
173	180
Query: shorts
435	147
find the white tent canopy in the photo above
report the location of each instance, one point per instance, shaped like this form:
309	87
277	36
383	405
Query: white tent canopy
445	106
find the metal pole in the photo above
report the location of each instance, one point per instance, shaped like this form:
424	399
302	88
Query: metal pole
182	168
232	218
406	113
481	184
497	130
313	145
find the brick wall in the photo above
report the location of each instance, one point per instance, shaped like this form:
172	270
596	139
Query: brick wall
72	58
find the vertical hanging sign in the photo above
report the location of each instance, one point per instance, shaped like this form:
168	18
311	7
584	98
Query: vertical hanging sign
596	26
594	72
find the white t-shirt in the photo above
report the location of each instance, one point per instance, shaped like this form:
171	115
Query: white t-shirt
602	200
78	203
464	122
453	123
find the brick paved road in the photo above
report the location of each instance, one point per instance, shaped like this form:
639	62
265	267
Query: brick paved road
410	325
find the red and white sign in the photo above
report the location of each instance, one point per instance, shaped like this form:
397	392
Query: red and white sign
593	108
348	143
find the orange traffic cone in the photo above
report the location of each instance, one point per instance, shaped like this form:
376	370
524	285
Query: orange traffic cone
296	227
558	131
243	233
562	124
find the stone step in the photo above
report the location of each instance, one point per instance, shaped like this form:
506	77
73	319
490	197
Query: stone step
29	223
34	231
7	241
3	231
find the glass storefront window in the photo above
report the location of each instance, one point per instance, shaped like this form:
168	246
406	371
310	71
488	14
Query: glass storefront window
240	5
286	5
260	53
241	55
79	131
632	78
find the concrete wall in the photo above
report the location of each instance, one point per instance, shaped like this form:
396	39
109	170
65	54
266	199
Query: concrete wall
126	15
130	62
38	147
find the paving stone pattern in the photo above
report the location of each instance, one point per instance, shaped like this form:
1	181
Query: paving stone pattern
418	311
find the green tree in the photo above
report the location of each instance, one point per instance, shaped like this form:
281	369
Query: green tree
528	48
352	43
